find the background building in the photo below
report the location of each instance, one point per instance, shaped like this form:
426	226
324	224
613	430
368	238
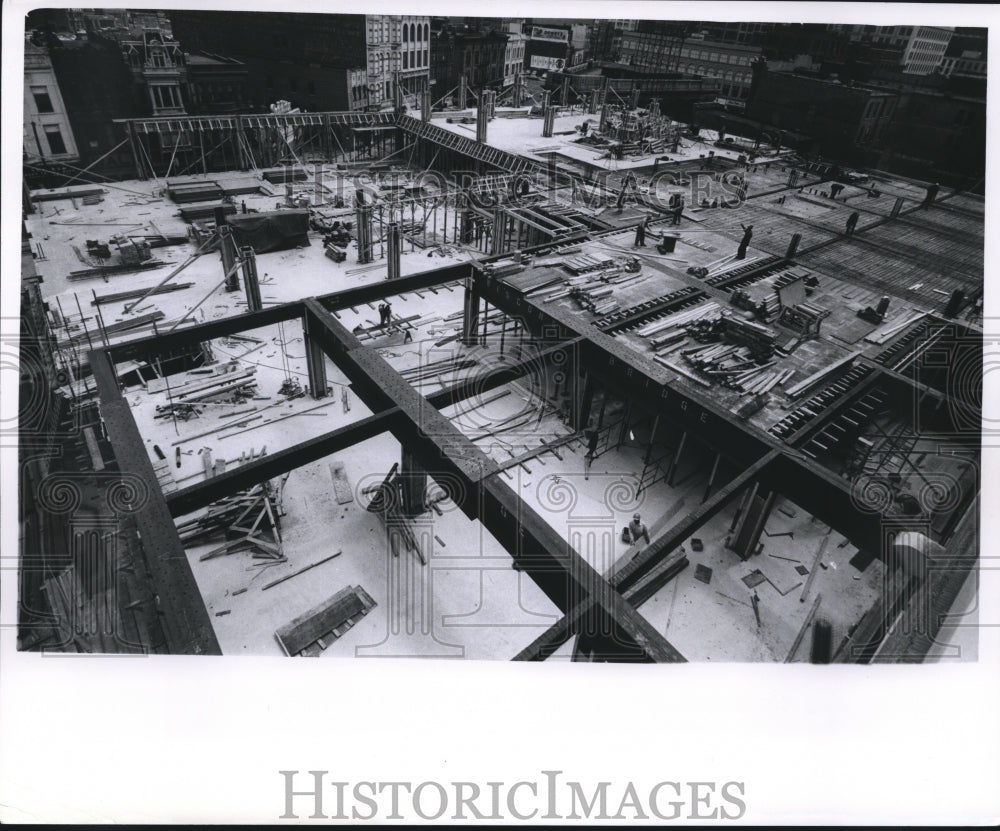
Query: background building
513	59
480	55
549	47
317	62
966	55
48	134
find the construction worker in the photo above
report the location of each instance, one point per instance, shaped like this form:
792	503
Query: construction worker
852	223
678	210
640	233
741	252
636	530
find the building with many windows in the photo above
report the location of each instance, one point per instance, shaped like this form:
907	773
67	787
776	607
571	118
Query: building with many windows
480	56
398	57
47	131
965	56
513	59
729	63
923	46
158	66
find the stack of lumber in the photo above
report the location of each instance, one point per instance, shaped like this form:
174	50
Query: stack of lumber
206	212
583	263
181	192
734	366
231	387
595	297
670	329
281	175
503	268
249	520
534	280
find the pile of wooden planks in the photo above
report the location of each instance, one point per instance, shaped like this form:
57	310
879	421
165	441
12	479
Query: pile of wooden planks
587	262
204	191
253	515
734	366
538	278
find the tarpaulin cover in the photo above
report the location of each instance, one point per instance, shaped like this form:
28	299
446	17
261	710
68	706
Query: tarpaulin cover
271	231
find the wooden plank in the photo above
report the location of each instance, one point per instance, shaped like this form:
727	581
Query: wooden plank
341	486
815	567
297	573
325	622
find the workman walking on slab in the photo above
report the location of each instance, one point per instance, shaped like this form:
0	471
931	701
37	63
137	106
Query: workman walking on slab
852	223
741	252
640	233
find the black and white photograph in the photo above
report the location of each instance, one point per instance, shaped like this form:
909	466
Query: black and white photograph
658	344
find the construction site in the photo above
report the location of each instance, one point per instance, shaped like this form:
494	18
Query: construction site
561	380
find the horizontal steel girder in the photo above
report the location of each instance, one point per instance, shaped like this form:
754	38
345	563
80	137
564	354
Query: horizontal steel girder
247	475
185	620
465	472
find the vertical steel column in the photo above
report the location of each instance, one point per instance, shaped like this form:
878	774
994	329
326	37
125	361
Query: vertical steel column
413	480
364	222
482	118
470	316
251	284
499	223
425	105
315	361
394	250
546	107
711	477
463	92
317	184
550	122
228	250
793	246
581	414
